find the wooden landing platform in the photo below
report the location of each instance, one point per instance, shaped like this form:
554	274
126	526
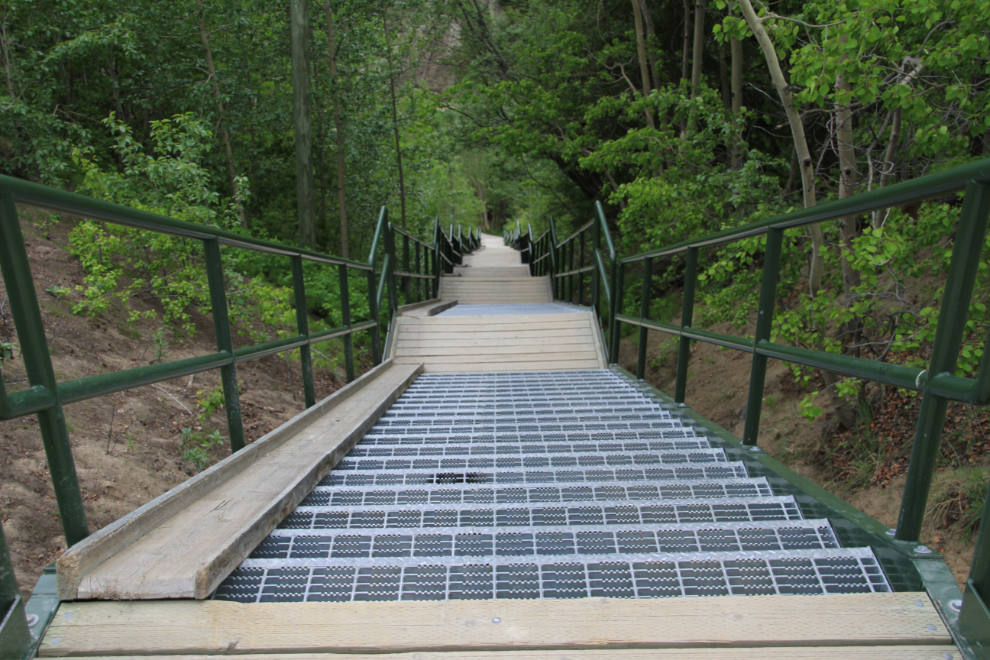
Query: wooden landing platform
859	626
538	342
184	543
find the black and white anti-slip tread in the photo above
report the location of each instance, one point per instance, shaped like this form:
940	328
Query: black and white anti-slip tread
543	485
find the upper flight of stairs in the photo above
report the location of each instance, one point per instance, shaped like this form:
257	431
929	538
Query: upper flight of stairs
494	274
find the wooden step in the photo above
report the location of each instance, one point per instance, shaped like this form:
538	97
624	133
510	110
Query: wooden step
184	543
758	626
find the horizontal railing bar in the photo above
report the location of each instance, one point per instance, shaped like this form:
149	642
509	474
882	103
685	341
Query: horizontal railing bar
909	378
898	194
582	229
262	350
95	386
536	261
32	400
584	269
416	275
325	335
411	237
61	201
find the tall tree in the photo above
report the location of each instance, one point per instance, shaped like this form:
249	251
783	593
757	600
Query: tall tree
644	69
338	123
204	36
302	118
395	118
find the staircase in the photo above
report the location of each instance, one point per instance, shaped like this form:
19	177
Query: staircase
546	485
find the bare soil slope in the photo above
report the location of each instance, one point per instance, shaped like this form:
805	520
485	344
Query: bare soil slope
127	446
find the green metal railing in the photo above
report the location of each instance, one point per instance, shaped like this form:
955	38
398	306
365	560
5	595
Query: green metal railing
938	383
579	269
46	396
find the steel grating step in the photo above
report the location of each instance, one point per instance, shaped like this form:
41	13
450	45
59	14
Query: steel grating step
838	571
576	458
536	476
543	485
484	541
424	448
605	491
370	516
457	435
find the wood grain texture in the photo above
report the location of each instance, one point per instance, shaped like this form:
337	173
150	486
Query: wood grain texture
721	653
183	547
500	343
215	627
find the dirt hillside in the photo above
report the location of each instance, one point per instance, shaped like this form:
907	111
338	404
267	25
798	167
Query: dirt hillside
129	447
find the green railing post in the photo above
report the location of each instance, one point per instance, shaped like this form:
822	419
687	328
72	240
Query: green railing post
393	294
970	234
345	319
15	637
38	363
221	326
376	333
644	313
618	269
554	281
407	284
419	271
979	572
302	323
764	326
687	317
580	276
596	244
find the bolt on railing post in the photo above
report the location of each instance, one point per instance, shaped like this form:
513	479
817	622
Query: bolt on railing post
949	334
687	317
15	636
345	317
376	336
302	325
764	327
221	326
644	313
38	363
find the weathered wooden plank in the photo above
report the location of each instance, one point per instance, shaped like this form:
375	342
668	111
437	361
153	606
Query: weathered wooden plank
708	653
488	341
215	627
522	348
491	367
484	357
184	543
514	321
508	334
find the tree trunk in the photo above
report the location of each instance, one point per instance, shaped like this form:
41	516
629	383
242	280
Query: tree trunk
395	120
338	123
204	36
650	37
644	69
302	117
736	53
696	61
847	187
806	165
723	75
687	41
805	162
6	61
